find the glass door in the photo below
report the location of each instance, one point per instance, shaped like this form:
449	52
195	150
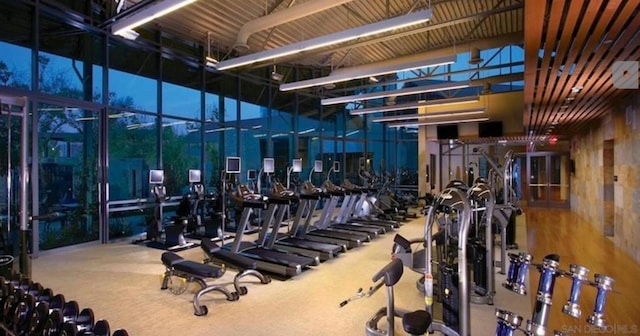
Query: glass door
548	179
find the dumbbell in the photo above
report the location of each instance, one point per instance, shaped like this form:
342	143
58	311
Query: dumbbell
517	273
579	275
53	325
82	324
120	332
70	311
10	305
604	284
38	319
36	316
57	302
101	328
507	322
22	313
548	270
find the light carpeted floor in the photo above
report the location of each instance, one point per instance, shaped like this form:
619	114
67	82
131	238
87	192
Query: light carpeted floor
121	283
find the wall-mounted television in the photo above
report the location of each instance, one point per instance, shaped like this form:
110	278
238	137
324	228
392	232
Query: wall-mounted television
268	165
195	176
233	165
490	129
156	176
447	131
336	166
296	165
317	166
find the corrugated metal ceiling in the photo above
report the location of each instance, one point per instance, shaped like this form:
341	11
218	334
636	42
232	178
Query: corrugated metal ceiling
224	18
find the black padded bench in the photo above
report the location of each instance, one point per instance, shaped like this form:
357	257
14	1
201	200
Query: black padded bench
244	265
193	271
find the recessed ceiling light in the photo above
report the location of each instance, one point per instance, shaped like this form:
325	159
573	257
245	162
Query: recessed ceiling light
570	98
576	89
555	122
564	106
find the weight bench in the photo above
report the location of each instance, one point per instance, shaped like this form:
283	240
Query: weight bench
245	266
193	271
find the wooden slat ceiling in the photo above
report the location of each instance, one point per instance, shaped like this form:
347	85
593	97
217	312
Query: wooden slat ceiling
574	45
224	18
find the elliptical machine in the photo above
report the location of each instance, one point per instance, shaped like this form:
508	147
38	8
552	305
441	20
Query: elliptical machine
174	230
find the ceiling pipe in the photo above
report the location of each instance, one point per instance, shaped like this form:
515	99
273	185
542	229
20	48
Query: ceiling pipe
280	17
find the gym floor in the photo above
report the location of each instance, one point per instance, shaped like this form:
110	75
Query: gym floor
121	283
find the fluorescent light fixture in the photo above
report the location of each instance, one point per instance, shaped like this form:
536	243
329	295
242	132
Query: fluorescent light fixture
211	62
412	105
307	131
222	129
331	39
352	133
440	122
396	93
152	11
86	118
129	34
430	115
364	72
256	127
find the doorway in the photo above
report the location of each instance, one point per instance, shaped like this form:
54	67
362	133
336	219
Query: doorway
549	179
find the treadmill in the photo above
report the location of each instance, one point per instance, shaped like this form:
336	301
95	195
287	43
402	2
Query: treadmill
348	216
328	221
309	248
267	260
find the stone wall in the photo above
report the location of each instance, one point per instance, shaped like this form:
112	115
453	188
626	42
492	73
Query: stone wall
617	214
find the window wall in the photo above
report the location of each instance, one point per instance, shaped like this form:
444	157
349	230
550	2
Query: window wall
148	111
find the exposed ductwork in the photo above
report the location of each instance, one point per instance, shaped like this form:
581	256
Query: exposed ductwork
282	16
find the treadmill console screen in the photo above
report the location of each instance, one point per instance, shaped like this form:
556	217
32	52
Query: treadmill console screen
268	165
195	176
156	176
296	166
233	165
252	174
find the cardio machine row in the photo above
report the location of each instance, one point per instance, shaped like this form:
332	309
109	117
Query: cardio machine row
307	242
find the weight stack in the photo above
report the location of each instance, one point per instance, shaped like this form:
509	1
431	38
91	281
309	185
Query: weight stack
479	267
511	232
449	287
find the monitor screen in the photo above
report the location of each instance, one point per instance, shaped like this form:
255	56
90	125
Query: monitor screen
336	166
317	166
268	165
296	166
233	165
252	174
195	176
156	176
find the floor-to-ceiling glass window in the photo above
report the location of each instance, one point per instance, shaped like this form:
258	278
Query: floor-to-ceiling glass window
67	170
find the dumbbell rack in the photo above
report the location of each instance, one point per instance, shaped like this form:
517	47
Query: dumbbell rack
508	322
26	308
